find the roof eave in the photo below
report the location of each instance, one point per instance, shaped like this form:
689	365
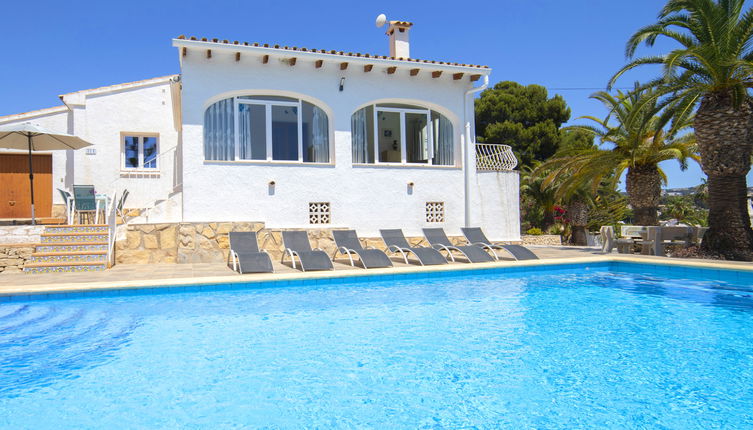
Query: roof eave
337	57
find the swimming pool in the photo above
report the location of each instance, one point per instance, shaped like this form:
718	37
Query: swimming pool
610	346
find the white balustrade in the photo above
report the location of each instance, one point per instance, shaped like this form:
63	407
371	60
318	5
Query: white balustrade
494	157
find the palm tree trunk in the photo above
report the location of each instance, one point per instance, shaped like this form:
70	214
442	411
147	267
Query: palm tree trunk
577	211
644	192
725	142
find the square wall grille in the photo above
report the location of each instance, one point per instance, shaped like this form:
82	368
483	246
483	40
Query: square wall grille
434	211
320	213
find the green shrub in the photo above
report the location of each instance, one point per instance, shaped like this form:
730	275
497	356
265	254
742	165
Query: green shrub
535	231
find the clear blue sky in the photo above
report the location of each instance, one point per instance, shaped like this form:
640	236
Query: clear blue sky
54	47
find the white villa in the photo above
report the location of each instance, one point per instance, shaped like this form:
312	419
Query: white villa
288	136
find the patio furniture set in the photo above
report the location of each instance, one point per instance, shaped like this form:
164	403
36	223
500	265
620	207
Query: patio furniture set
85	206
246	257
653	240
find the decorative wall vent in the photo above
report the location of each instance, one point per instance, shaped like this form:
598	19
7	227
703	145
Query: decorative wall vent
434	211
320	213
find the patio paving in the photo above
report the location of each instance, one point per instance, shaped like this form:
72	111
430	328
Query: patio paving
162	273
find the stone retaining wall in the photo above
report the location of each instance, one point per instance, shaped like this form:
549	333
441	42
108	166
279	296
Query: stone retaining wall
209	243
177	242
13	257
20	234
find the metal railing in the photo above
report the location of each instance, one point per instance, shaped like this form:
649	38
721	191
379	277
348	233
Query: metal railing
112	225
147	187
494	157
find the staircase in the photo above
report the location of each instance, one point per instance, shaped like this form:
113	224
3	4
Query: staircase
70	248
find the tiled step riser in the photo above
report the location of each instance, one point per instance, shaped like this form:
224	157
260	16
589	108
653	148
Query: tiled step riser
76	248
68	258
75	229
62	268
70	248
75	238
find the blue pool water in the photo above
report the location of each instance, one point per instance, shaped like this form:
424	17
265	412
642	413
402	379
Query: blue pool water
598	348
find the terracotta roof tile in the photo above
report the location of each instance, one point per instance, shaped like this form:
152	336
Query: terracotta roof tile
334	52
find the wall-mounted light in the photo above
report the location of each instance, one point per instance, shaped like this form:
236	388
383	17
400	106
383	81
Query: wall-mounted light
410	188
271	188
342	83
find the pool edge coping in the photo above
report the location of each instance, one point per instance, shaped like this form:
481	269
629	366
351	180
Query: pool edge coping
282	278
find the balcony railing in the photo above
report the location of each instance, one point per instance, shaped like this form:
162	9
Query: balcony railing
494	157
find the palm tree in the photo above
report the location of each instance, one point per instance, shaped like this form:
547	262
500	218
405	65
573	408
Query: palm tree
711	70
542	199
638	145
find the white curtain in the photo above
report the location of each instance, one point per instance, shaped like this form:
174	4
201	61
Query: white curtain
320	133
358	136
244	131
444	147
419	150
219	131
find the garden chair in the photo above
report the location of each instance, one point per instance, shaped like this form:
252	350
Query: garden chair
348	244
439	240
246	255
396	242
476	236
297	245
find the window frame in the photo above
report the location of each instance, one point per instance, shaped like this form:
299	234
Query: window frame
268	105
416	109
141	137
403	140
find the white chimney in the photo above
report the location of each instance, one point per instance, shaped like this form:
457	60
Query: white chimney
398	33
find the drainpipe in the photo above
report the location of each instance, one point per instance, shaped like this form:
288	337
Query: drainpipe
70	167
470	149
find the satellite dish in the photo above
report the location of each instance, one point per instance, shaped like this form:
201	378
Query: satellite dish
381	20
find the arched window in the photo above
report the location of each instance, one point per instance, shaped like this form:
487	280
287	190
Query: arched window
403	134
268	128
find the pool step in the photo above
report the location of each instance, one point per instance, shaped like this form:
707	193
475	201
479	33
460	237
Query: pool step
70	248
43	342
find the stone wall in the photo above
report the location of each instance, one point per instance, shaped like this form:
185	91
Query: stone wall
177	242
13	257
20	234
542	239
209	243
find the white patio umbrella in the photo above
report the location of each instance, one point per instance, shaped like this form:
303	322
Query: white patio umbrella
32	137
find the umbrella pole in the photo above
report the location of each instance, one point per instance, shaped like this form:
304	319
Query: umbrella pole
31	181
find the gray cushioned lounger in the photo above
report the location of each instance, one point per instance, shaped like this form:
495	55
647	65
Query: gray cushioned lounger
476	236
347	242
247	258
439	240
396	242
297	245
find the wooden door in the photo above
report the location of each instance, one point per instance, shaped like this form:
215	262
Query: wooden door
15	196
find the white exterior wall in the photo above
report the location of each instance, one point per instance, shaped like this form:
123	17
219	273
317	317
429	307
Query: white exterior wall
364	197
103	119
56	120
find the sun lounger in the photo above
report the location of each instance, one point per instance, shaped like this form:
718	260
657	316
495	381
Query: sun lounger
297	245
396	243
246	255
439	240
476	236
348	244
